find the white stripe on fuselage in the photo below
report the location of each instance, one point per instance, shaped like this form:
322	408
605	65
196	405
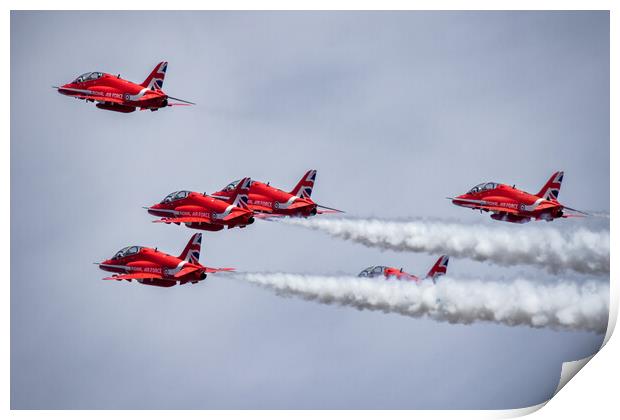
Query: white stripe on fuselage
173	271
284	206
137	96
225	213
532	206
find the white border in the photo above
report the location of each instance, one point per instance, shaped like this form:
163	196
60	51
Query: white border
593	394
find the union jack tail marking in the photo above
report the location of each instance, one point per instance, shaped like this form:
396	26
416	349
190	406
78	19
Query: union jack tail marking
303	189
191	253
440	268
240	198
155	81
551	190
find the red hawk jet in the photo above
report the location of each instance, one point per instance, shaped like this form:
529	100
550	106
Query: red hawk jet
120	95
201	211
509	204
439	269
155	268
267	201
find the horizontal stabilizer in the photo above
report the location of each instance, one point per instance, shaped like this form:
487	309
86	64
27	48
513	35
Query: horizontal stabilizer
185	271
576	211
182	100
216	270
329	208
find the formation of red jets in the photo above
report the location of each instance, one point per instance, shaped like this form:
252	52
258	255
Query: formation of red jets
237	205
241	202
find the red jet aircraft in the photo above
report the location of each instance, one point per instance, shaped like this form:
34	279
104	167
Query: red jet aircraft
510	204
201	211
439	269
267	201
155	268
116	94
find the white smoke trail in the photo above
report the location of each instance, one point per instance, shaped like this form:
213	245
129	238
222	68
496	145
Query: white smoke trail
601	214
582	250
562	305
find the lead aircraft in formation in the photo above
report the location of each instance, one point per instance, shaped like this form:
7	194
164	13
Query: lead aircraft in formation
438	269
155	268
113	93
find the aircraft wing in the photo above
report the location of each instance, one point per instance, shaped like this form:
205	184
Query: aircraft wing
184	219
498	209
267	216
134	276
485	205
100	98
93	95
261	209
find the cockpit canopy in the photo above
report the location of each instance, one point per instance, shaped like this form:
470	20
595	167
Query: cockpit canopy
485	186
86	77
127	251
231	186
234	184
372	271
177	195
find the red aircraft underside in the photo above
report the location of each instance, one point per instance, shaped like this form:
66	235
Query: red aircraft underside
267	201
201	211
509	204
115	94
155	268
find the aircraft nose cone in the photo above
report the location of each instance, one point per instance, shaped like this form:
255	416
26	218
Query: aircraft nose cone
102	263
152	209
63	89
456	199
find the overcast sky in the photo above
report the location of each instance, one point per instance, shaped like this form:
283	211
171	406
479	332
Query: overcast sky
395	110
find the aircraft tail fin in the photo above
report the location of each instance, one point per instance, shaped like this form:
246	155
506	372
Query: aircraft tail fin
240	194
551	190
191	253
303	189
155	81
439	269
